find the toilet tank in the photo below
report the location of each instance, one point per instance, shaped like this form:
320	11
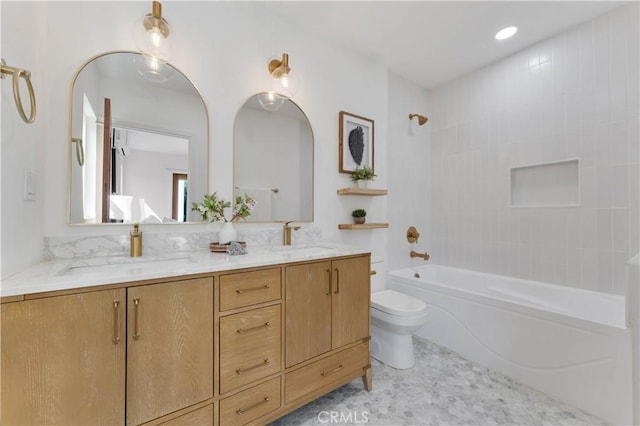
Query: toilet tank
378	280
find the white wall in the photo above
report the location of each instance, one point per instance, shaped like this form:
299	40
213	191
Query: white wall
22	144
409	162
572	96
224	48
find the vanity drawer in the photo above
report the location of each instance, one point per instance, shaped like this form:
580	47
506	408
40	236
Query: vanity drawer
250	404
250	346
333	368
249	288
200	417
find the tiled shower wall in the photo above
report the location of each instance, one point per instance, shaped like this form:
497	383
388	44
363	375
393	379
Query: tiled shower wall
574	95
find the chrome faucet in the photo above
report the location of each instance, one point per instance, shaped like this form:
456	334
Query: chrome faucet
286	233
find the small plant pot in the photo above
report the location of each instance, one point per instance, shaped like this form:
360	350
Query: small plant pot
359	220
362	183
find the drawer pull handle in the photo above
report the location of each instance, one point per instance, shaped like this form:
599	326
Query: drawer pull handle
116	324
136	322
244	290
330	282
330	372
257	404
244	330
262	364
337	281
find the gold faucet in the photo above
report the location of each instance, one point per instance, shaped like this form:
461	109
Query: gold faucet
424	256
286	233
135	241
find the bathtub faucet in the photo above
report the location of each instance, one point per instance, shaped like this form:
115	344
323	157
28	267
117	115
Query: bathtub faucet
424	255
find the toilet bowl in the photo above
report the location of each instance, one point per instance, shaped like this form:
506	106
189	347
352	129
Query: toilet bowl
395	317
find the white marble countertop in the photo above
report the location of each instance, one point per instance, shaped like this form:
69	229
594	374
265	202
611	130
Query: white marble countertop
76	273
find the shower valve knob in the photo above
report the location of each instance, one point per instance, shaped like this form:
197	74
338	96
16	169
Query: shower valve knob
412	235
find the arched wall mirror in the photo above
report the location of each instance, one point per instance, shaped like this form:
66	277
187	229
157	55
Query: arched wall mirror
273	161
139	145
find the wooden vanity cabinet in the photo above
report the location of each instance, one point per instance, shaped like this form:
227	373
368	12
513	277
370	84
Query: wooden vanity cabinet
143	353
169	347
63	360
327	306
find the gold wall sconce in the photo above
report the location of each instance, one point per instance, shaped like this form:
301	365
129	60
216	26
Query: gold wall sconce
422	120
285	80
151	35
17	73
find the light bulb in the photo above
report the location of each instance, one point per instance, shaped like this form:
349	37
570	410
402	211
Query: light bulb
270	101
151	34
287	85
153	69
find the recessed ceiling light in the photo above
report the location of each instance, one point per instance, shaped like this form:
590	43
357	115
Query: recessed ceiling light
506	33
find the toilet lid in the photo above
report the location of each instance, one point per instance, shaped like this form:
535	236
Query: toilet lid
396	303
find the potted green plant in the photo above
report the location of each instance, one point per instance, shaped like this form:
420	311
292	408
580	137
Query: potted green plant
359	216
362	175
212	210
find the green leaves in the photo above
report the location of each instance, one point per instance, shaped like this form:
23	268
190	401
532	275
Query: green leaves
212	208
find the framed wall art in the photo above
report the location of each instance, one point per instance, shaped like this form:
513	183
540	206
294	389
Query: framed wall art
355	142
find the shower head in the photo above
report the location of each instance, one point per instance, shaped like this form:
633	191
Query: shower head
421	118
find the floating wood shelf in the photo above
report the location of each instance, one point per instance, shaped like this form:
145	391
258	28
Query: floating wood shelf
362	226
361	191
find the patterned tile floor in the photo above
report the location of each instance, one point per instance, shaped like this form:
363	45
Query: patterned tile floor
442	389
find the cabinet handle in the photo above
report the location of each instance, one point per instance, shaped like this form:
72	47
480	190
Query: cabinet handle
253	367
244	290
116	324
337	281
330	372
136	323
257	404
243	330
330	282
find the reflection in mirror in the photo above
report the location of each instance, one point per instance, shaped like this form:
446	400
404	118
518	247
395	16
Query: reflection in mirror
274	161
144	140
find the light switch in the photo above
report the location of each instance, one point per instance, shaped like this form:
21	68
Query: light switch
30	185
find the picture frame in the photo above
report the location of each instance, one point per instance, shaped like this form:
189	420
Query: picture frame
355	142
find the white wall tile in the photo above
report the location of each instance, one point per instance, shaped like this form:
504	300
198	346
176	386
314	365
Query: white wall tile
589	225
605	186
605	271
573	96
605	230
620	188
620	230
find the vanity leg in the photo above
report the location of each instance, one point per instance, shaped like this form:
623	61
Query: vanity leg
367	379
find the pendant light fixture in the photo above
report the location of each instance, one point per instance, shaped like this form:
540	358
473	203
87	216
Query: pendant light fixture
285	80
151	35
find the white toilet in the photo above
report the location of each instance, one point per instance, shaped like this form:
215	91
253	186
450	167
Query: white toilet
395	317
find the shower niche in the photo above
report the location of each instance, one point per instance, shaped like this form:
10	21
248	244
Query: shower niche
554	184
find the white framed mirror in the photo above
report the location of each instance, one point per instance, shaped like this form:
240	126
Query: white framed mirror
139	142
273	161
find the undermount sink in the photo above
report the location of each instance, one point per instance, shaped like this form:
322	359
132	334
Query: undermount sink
126	265
302	250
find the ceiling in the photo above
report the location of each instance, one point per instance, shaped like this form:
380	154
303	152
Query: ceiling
432	42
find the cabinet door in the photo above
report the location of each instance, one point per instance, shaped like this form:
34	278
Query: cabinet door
307	311
351	300
63	360
169	347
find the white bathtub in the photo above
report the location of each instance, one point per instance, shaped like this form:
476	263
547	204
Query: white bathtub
569	343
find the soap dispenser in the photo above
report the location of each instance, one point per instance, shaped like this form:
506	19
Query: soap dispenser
135	241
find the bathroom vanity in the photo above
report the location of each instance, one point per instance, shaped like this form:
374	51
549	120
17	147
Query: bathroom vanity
219	341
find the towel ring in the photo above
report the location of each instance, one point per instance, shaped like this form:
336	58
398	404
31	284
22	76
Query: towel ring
17	73
79	150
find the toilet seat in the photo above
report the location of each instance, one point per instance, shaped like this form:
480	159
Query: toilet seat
399	304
